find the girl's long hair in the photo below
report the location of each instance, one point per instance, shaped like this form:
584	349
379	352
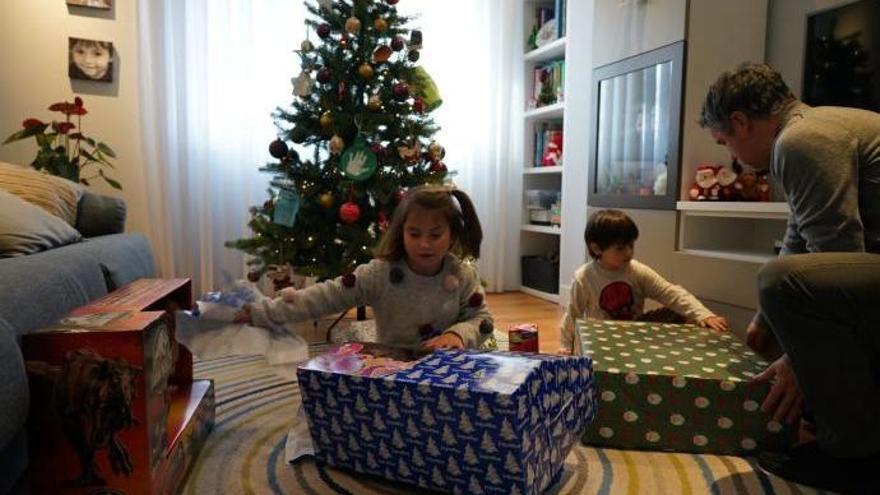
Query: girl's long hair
467	234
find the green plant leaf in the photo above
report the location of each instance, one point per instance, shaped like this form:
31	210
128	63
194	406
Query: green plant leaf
110	181
26	133
90	157
103	148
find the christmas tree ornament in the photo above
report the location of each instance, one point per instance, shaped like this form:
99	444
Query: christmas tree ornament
366	70
382	54
415	40
349	213
286	208
395	275
353	25
398	43
436	152
340	91
306	46
392	2
423	86
413	55
410	153
326	120
302	84
438	167
400	91
324	75
380	25
326	5
374	103
336	144
382	221
419	105
379	150
358	162
326	200
278	149
323	31
349	280
299	134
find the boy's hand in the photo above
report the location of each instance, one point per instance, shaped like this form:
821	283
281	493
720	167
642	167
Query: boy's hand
243	316
716	323
447	340
563	351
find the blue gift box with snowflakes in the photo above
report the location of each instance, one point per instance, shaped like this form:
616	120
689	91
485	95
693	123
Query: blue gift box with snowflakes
459	421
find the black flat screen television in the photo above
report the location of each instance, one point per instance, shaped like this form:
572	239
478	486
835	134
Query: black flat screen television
842	62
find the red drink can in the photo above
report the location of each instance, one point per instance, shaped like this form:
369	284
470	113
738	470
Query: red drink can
523	337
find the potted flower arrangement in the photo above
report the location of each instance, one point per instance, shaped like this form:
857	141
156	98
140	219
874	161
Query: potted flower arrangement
63	148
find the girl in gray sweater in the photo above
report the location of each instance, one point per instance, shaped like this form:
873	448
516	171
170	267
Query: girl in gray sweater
423	292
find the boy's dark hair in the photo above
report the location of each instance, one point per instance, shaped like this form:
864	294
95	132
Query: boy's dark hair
757	90
467	234
610	228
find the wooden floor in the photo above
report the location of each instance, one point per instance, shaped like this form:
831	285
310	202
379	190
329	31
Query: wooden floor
508	308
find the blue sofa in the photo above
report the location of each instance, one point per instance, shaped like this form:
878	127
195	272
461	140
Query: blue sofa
38	289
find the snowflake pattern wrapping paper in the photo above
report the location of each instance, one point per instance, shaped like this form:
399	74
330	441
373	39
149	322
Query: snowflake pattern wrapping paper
458	421
677	388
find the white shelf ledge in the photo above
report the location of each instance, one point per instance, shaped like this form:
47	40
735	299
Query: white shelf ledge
543	170
542	229
732	255
747	209
550	51
541	294
554	111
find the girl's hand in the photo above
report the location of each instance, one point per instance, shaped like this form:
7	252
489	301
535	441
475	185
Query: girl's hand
243	316
716	323
447	340
563	351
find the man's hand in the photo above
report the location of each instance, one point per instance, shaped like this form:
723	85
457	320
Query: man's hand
785	400
715	323
447	340
761	340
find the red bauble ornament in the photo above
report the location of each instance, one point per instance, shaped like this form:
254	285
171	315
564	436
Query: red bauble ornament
324	75
278	149
438	167
392	2
349	212
419	105
401	91
398	43
323	31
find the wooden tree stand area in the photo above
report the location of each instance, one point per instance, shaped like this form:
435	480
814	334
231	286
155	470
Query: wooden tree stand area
114	407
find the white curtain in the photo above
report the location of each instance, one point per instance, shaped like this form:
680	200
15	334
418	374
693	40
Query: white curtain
212	72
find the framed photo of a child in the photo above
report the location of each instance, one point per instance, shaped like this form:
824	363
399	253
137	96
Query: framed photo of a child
91	60
95	4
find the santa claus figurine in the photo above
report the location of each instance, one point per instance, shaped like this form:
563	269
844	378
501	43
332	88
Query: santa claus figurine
706	184
726	178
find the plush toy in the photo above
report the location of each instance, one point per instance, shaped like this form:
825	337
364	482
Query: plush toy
726	177
763	187
705	185
746	183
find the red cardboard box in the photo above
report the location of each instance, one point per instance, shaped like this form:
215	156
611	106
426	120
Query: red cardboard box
152	294
102	413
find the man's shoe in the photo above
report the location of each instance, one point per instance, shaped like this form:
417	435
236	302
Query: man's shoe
808	465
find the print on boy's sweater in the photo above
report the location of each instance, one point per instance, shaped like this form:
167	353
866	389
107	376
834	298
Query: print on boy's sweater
617	300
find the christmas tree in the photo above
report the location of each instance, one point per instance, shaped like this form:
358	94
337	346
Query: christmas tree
360	113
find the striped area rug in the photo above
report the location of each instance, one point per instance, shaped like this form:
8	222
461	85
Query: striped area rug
256	405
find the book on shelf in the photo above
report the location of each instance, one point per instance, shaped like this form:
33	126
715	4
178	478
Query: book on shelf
560	9
548	84
548	145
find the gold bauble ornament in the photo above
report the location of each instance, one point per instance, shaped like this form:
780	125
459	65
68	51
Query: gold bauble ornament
375	102
353	25
306	46
326	119
379	24
366	70
336	144
326	200
382	54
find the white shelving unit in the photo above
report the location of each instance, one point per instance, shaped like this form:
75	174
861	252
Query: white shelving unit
539	239
735	231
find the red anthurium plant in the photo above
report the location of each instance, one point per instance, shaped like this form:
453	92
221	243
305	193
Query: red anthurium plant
64	150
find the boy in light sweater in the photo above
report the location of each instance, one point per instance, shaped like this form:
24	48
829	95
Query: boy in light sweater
614	286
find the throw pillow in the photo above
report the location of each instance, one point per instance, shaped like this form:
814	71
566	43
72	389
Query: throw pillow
28	229
55	195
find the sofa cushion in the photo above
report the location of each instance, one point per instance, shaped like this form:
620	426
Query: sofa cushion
27	229
13	388
56	195
100	215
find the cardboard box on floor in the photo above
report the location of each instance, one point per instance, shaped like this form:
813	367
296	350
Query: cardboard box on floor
456	421
677	388
109	410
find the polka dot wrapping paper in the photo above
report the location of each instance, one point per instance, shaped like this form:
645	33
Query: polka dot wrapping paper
677	388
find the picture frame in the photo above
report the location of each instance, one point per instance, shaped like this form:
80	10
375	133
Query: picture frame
92	4
90	60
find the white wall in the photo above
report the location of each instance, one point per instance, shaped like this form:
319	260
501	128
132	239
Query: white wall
33	40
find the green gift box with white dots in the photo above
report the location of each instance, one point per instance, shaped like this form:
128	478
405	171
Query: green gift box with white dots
677	388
